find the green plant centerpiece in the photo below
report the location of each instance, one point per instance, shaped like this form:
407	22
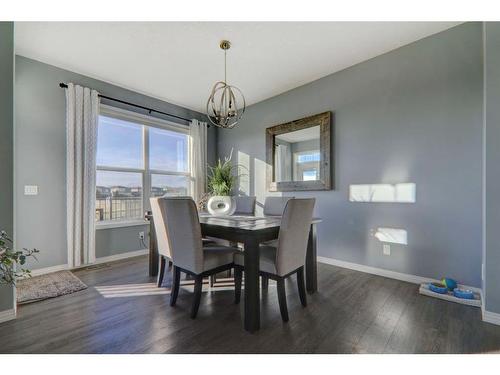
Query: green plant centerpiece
221	181
12	261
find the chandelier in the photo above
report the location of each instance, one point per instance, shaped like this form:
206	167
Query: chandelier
226	103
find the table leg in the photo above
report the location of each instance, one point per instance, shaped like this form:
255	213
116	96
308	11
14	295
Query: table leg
311	262
252	290
153	250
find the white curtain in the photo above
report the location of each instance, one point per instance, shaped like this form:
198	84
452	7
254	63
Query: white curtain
198	134
82	114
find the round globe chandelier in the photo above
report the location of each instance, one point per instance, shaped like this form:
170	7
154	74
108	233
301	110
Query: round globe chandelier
226	103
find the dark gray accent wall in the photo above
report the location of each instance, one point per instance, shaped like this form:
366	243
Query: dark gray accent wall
411	115
492	167
6	143
40	159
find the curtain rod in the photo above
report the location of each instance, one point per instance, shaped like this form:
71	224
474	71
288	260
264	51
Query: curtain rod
65	86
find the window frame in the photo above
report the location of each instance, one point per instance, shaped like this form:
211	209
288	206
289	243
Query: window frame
146	122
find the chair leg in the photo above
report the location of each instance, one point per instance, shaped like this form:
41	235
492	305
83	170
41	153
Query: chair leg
161	272
198	284
238	276
213	280
176	280
265	283
282	299
301	286
233	244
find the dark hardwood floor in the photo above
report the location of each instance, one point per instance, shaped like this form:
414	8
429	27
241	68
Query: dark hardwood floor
352	312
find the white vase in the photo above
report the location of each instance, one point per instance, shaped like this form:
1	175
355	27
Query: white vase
219	205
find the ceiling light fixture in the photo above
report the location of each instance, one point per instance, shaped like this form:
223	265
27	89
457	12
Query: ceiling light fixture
226	103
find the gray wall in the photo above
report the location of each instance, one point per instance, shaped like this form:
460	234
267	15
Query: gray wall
411	115
6	143
312	144
118	240
40	160
492	163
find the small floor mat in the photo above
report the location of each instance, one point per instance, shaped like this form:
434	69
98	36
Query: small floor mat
51	285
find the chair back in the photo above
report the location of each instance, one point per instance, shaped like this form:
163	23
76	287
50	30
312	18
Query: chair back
245	205
160	229
183	232
274	206
294	235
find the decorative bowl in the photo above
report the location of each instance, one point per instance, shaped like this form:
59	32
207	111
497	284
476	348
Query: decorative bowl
219	205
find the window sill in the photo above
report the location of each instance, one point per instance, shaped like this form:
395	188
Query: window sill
120	224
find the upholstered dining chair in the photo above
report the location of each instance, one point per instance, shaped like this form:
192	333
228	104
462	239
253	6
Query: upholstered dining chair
180	232
274	206
288	257
161	239
245	205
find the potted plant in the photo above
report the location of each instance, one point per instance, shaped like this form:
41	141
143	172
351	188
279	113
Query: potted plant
221	181
12	261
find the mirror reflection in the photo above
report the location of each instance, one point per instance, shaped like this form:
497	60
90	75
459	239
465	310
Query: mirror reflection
297	155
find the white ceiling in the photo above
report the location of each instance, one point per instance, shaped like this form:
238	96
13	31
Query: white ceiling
180	61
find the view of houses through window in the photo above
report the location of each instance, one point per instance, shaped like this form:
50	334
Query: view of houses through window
134	157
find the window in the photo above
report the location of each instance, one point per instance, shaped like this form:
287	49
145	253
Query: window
310	175
306	165
138	157
162	184
118	195
306	157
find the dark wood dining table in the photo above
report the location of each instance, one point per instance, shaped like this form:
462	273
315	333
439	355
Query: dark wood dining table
251	231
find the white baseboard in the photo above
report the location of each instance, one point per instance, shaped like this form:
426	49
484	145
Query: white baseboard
116	257
385	273
43	271
7	315
111	258
491	317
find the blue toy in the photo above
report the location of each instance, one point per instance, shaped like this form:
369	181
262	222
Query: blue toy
449	283
438	288
463	293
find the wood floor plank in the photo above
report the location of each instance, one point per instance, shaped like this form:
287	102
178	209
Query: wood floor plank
352	312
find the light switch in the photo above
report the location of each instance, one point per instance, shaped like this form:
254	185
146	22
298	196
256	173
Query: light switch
30	189
386	249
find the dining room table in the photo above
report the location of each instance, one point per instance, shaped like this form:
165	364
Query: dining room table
251	231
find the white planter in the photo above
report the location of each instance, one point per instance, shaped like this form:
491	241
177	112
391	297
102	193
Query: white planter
221	205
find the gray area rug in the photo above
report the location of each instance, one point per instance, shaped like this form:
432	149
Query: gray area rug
52	285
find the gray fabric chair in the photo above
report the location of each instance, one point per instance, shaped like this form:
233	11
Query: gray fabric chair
274	206
161	239
288	257
245	205
179	239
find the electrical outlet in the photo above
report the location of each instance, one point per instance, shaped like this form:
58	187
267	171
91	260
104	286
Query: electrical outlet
30	189
386	249
141	235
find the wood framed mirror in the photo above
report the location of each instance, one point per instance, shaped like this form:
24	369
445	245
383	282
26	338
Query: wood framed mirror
298	154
